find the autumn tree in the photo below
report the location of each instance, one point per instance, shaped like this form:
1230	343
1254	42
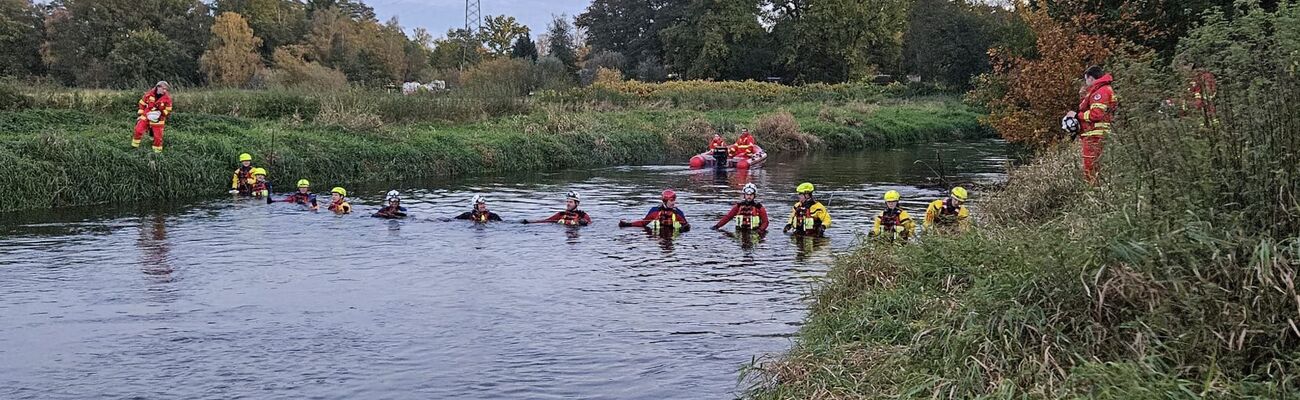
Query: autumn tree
231	59
276	22
1027	96
500	33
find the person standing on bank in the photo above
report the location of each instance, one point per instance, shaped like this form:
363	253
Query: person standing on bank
1094	115
153	109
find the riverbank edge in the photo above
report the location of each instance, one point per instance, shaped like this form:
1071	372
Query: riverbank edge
881	310
64	158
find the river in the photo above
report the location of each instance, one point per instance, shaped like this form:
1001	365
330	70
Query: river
238	299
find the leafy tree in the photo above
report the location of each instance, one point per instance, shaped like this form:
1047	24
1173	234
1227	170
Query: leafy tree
628	27
716	39
231	59
838	40
605	60
650	70
551	74
1027	95
276	22
948	41
20	37
354	10
500	33
560	43
448	52
524	48
146	56
81	33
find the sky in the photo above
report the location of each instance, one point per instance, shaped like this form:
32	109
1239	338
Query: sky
440	15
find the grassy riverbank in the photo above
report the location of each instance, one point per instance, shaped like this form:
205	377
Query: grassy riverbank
76	152
1176	278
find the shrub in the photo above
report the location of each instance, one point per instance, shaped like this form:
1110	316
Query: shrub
292	71
780	131
507	77
12	100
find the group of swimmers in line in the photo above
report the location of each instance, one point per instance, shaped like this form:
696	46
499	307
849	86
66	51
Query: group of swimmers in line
808	216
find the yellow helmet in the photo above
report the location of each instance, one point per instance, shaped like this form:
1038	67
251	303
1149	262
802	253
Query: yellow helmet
892	195
245	157
259	171
302	183
340	191
959	193
804	188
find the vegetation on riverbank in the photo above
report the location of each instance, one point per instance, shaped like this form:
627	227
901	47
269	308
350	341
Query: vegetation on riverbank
71	147
1175	278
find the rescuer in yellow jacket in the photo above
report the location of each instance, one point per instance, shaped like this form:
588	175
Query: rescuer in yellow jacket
949	214
809	217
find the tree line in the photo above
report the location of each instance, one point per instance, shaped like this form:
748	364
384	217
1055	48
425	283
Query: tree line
265	43
260	43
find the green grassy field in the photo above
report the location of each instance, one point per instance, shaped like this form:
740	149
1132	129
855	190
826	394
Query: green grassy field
71	148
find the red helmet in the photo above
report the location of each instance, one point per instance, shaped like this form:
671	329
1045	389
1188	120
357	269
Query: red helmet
669	195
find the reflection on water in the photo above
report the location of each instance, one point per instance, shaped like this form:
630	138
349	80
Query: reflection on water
242	299
154	249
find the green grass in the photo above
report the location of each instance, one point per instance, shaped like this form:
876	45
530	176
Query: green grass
1175	278
80	155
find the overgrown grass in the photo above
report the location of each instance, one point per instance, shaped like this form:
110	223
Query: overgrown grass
1176	278
65	157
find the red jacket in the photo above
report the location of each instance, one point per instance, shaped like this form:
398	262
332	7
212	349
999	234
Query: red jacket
566	217
745	145
717	144
746	209
151	102
1097	109
1202	89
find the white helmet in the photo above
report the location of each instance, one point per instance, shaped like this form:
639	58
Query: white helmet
153	116
478	200
750	188
1070	124
393	195
572	195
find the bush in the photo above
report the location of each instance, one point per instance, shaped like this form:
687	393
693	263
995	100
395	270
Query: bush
780	131
507	77
12	100
293	72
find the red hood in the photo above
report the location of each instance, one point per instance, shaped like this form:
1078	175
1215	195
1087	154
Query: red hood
1103	81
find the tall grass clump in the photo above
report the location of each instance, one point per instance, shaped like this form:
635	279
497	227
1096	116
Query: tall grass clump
1175	278
780	131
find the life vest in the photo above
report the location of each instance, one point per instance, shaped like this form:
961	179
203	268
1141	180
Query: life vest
341	207
747	217
260	189
890	218
805	219
571	217
717	144
667	218
480	217
948	213
244	175
301	198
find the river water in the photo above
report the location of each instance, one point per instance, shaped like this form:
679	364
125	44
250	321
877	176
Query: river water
237	299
